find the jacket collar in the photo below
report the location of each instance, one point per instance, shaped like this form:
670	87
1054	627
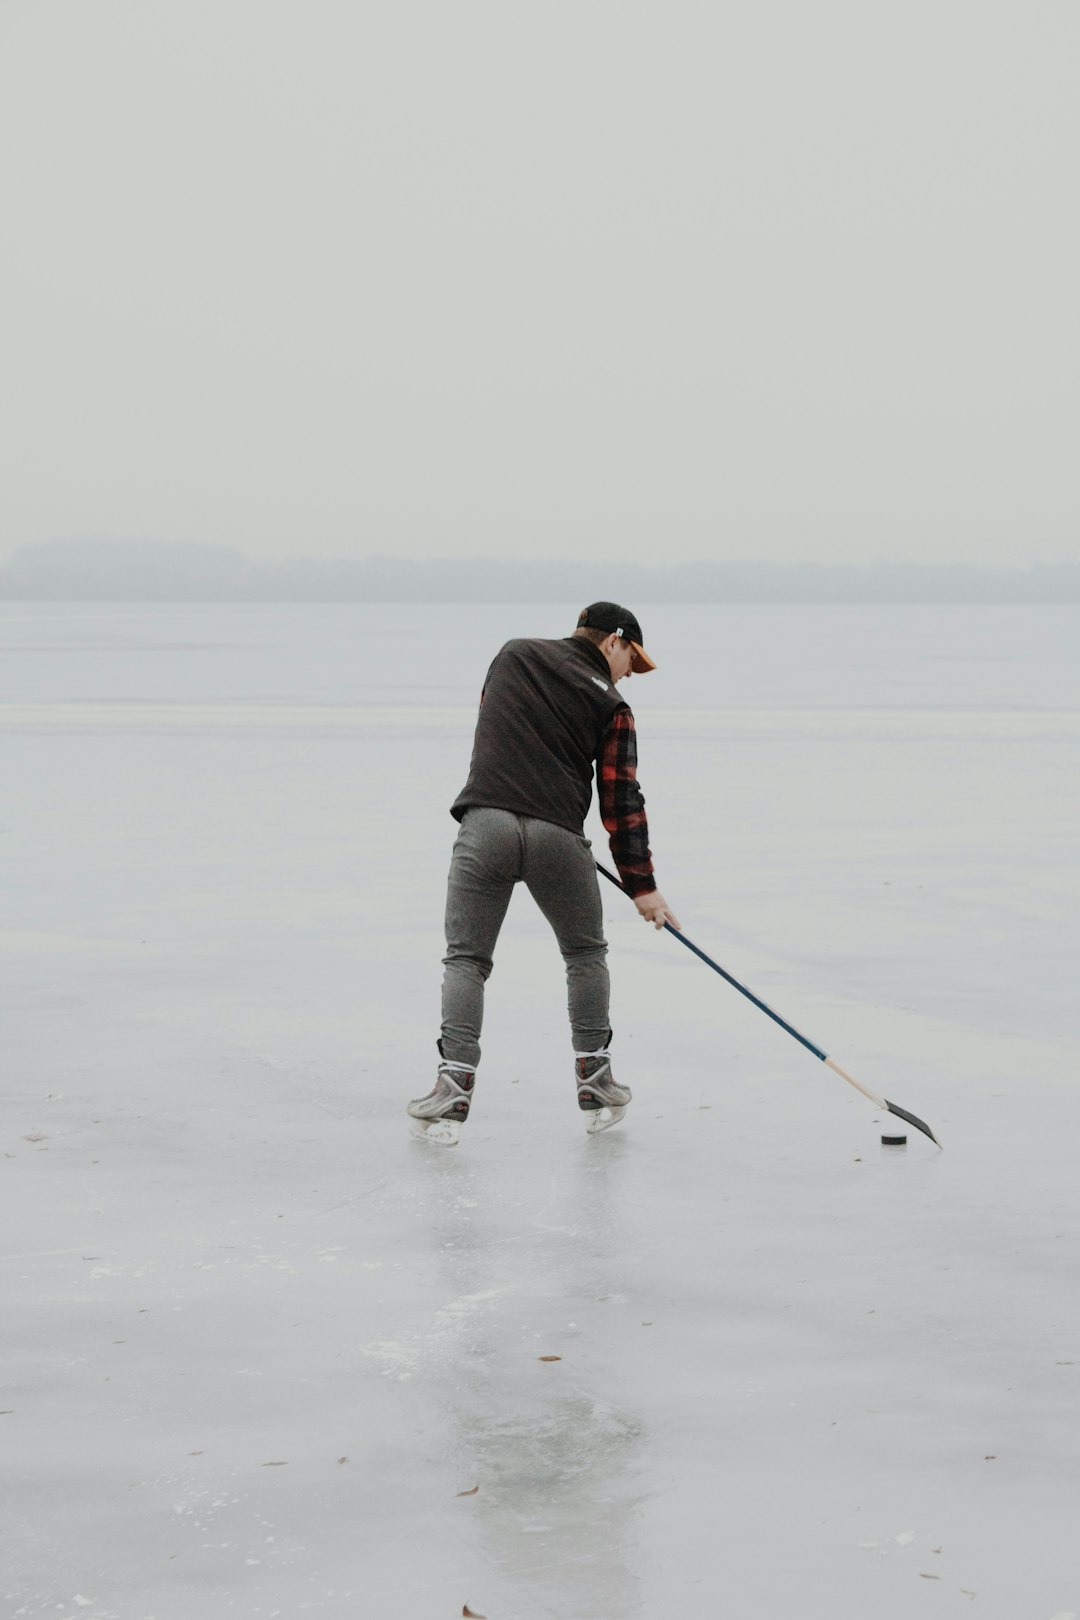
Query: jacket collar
591	652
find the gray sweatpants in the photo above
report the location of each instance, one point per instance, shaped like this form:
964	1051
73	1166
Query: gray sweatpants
494	850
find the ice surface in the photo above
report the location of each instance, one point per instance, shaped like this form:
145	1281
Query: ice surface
259	1340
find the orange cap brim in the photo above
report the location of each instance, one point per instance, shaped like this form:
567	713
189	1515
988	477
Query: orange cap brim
642	662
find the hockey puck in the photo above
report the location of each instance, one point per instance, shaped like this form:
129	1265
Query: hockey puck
893	1141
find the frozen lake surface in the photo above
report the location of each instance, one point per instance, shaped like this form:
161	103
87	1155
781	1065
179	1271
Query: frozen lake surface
259	1342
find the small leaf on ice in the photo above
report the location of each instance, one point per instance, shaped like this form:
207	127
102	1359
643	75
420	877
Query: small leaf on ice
991	1458
470	1614
549	1358
923	1577
275	1465
468	1493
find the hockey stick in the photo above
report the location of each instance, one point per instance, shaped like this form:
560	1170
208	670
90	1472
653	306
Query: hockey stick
880	1102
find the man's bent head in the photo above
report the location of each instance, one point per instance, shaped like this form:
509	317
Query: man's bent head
602	620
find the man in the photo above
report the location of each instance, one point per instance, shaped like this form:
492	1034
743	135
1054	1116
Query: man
549	715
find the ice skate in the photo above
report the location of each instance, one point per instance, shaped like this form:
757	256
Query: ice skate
439	1116
598	1094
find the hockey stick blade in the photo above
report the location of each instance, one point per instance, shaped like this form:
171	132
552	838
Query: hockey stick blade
912	1119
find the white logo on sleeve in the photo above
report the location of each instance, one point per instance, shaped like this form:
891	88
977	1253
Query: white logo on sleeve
601	684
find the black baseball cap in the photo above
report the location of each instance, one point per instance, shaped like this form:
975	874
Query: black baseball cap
611	617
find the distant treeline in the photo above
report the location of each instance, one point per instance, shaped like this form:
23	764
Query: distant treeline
183	571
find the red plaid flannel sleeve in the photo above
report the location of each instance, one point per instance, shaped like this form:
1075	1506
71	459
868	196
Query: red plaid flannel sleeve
622	804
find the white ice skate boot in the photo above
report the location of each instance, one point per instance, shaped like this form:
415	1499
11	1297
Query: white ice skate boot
438	1117
598	1094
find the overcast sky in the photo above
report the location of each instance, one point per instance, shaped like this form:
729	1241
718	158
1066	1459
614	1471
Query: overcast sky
786	281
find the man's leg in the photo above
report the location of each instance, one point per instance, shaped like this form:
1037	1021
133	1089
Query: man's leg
561	877
484	867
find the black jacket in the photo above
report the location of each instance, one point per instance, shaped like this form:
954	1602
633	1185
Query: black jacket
545	708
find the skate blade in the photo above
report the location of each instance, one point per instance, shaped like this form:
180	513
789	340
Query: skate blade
443	1132
604	1118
